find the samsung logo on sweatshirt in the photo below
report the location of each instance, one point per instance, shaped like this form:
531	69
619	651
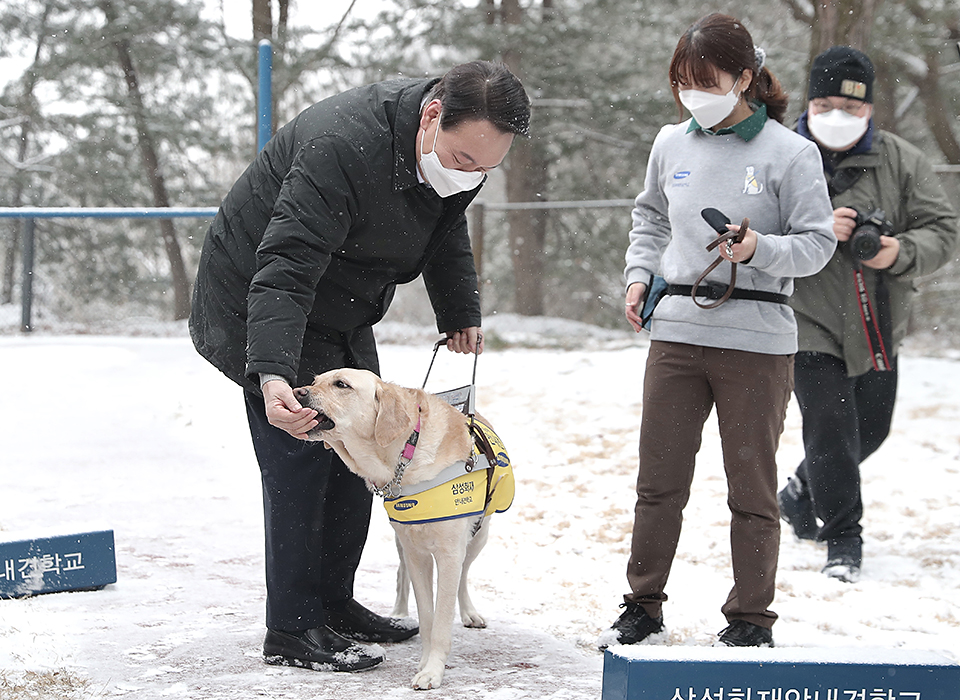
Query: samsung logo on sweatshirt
679	178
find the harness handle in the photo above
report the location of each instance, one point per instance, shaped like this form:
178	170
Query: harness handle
436	348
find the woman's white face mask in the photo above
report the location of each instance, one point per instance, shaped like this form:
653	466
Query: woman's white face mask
707	108
445	181
837	129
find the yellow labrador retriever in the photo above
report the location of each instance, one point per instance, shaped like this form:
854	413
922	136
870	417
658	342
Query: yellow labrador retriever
401	440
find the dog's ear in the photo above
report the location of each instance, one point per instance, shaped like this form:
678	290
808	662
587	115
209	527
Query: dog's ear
394	414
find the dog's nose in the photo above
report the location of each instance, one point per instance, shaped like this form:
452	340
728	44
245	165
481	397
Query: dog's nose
301	392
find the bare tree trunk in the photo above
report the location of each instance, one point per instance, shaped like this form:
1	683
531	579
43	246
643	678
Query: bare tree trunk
936	110
842	22
27	108
148	151
526	180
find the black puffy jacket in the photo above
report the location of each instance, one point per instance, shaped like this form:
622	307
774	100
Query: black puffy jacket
308	246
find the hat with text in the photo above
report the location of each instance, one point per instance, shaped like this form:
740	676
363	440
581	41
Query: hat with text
841	71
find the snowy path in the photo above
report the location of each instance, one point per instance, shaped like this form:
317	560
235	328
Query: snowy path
142	437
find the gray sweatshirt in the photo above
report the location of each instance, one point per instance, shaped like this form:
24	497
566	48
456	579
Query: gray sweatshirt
776	179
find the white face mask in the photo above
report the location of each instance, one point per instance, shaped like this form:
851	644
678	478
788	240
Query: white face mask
837	129
707	108
445	181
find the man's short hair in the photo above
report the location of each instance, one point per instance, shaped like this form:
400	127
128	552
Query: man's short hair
842	71
483	90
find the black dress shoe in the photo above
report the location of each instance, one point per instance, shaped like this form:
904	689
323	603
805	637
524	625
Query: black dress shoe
319	649
741	633
354	621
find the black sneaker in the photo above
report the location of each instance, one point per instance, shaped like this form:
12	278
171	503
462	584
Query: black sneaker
741	633
354	621
319	649
634	625
796	507
844	558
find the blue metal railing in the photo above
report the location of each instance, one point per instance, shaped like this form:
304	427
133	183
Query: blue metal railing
29	215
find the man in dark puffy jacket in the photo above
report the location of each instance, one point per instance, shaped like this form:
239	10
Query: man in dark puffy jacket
852	315
360	192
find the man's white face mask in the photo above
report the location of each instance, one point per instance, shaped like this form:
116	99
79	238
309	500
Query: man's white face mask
445	181
837	129
707	108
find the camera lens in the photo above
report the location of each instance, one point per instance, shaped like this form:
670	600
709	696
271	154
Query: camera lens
865	242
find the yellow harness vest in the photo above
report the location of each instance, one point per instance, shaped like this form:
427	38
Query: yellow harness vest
464	494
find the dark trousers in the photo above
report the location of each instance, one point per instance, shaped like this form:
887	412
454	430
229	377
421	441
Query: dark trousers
316	515
845	420
751	392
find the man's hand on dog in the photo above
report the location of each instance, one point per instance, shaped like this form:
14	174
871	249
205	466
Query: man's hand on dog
465	341
285	412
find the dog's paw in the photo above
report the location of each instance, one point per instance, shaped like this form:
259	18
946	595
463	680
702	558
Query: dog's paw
471	618
428	678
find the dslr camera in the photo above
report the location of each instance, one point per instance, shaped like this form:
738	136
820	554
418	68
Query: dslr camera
865	241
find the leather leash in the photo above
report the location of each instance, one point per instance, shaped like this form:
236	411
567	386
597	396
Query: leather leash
730	237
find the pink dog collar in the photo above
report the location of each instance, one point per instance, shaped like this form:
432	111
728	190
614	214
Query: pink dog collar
412	441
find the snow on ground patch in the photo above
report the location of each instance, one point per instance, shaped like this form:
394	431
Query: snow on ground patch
143	437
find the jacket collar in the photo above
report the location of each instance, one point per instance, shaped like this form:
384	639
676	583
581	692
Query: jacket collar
405	128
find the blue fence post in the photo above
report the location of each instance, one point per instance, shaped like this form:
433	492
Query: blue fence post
26	281
265	95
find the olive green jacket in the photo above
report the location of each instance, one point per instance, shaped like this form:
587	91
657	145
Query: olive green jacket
898	179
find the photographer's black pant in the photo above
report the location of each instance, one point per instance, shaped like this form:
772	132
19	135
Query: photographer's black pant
316	515
845	420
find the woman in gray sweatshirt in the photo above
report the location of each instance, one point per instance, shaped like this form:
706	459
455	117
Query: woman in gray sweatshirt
734	156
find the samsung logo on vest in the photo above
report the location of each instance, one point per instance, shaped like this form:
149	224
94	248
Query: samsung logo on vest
405	505
681	175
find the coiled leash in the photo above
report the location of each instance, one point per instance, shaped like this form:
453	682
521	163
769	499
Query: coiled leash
718	221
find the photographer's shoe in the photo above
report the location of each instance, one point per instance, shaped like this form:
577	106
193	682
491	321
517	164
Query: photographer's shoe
796	507
844	558
741	633
634	625
353	621
319	649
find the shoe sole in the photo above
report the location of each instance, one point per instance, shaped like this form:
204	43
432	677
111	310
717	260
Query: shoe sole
279	660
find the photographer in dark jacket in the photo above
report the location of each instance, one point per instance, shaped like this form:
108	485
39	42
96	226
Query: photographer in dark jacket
360	192
853	315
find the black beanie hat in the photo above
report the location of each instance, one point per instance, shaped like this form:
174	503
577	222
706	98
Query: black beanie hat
842	72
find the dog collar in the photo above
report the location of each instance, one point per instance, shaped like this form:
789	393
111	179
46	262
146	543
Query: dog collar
392	488
411	445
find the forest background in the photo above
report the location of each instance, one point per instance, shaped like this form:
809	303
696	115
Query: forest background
151	103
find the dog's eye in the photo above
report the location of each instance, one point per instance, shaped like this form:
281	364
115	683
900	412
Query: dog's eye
340	384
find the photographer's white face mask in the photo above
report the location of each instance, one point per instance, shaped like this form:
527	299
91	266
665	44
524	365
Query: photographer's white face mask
445	181
837	129
707	108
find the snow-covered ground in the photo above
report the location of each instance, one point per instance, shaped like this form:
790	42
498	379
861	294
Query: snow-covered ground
141	436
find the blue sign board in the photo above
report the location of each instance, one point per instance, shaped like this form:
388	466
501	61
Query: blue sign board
708	673
61	563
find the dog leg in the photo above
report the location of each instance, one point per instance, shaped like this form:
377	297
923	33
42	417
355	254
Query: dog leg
468	613
449	560
401	607
419	563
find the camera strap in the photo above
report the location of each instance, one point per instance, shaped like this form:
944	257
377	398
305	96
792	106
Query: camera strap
872	323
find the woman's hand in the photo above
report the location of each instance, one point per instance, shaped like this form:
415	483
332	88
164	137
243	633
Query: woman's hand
742	251
633	302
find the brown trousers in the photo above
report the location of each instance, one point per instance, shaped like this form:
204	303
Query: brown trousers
751	392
